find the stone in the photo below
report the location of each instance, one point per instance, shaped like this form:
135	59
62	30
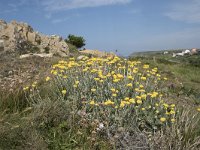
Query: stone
80	57
43	55
25	56
19	36
31	37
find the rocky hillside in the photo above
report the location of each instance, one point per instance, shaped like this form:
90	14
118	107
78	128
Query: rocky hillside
20	37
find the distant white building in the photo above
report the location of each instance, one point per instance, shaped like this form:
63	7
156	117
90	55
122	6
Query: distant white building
166	52
187	51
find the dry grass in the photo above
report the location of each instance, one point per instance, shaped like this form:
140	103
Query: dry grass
52	121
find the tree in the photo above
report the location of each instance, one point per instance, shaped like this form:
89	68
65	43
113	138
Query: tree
77	41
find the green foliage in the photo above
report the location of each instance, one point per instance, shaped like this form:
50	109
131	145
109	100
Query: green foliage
72	48
46	50
61	114
35	49
77	41
13	101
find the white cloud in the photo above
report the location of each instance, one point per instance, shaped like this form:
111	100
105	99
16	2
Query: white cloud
55	21
56	5
60	20
187	11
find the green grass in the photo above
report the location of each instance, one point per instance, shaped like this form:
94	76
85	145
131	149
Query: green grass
51	122
184	72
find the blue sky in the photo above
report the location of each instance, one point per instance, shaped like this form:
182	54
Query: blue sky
125	25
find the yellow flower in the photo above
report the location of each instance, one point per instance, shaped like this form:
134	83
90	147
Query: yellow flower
116	80
144	96
141	86
55	72
120	76
25	88
146	66
165	105
112	72
85	69
64	77
96	79
108	75
93	90
92	102
112	89
129	85
143	109
33	85
198	109
154	94
139	102
71	58
137	89
162	119
173	120
126	98
172	105
48	78
108	102
114	94
158	75
130	78
172	112
64	92
143	78
135	70
101	81
93	70
76	82
75	86
132	101
122	104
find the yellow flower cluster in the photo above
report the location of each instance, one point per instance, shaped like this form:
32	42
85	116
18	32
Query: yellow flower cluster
114	83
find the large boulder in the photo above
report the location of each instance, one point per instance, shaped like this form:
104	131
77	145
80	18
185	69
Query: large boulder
21	36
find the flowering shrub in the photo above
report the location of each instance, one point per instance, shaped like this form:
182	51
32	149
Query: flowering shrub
113	90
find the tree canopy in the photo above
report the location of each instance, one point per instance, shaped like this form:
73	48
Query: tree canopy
77	41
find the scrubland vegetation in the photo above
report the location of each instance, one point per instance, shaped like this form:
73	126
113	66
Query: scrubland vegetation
104	103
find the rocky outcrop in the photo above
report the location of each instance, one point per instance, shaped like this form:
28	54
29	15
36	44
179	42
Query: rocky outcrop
38	55
98	53
17	36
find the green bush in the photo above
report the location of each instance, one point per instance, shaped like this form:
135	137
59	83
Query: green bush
77	41
46	50
72	48
35	49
